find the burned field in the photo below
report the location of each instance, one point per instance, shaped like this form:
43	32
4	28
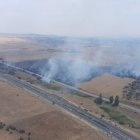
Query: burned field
71	60
76	61
63	70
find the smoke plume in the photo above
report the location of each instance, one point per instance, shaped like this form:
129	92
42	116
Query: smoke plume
82	59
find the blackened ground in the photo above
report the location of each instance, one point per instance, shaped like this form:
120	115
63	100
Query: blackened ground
64	74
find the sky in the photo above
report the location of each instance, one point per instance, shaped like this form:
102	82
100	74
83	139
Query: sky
71	17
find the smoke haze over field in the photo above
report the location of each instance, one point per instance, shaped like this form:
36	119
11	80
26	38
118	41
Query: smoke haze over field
78	59
73	60
79	62
118	58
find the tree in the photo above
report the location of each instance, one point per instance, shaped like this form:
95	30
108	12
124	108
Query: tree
99	100
111	99
117	101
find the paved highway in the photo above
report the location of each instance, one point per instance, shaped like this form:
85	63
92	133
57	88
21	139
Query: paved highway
105	126
136	109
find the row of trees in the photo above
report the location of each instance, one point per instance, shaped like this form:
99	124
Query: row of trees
113	101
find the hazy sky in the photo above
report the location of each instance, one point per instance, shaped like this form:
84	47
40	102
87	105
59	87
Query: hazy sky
71	17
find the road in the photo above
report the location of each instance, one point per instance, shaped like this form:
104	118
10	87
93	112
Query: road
126	106
136	109
105	126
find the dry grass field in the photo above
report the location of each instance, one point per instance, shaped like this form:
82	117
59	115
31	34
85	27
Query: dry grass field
19	49
44	121
106	84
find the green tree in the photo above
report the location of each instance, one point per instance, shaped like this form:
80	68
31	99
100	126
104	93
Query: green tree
117	101
99	100
111	99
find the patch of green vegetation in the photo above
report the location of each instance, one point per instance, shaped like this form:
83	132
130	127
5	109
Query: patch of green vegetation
118	116
78	93
52	87
2	125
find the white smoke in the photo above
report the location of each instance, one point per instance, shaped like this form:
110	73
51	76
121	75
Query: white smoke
124	60
79	59
73	66
122	57
53	69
